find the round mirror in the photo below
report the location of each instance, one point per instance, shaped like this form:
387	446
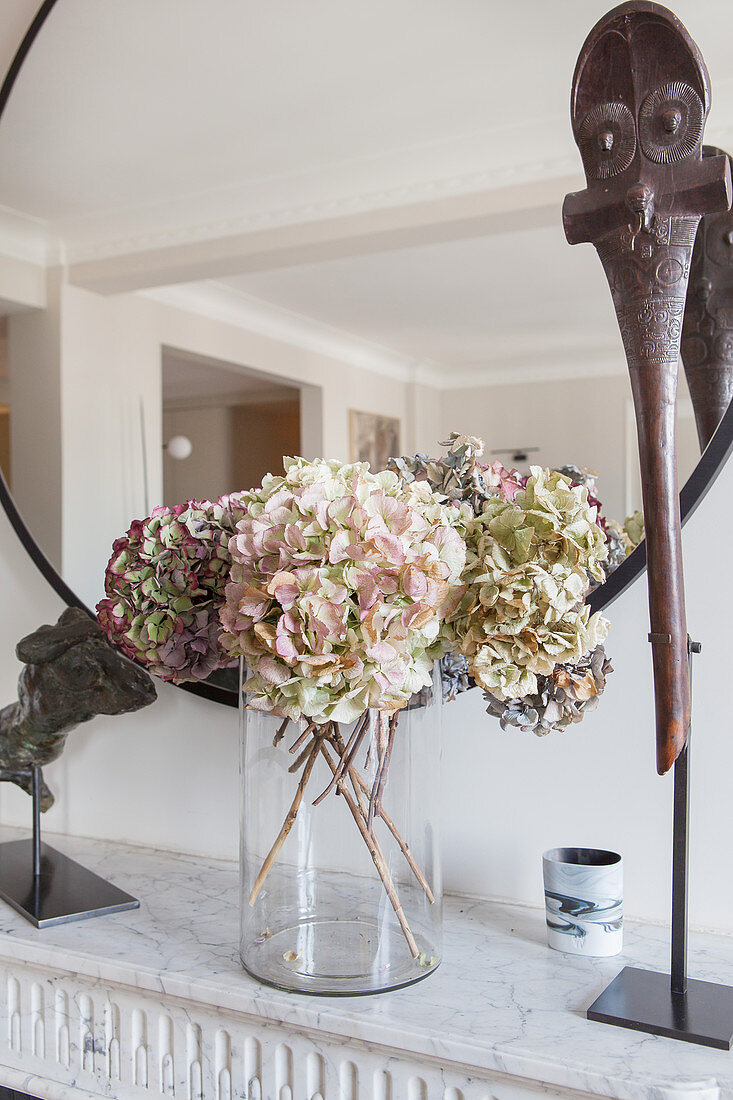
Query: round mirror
231	232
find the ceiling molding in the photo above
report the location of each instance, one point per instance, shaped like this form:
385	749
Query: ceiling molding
228	306
513	362
31	239
28	239
532	205
357	202
561	174
523	368
36	241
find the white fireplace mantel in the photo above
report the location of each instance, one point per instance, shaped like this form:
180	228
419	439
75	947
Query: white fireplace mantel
153	1002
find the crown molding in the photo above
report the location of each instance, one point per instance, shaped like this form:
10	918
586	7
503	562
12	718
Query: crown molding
549	169
512	362
561	173
228	306
523	368
28	239
158	226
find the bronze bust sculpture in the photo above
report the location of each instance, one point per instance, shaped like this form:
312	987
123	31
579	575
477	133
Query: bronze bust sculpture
72	673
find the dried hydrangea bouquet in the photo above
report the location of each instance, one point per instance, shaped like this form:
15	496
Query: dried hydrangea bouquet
345	594
535	549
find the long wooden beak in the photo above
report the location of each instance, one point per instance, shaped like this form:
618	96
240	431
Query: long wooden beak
655	390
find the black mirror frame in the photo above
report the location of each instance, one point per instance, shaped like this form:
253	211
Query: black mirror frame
694	490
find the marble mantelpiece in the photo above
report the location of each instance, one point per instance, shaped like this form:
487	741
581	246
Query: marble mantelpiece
153	1001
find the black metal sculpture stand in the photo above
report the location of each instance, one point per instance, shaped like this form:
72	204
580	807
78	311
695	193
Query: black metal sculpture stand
671	1004
46	887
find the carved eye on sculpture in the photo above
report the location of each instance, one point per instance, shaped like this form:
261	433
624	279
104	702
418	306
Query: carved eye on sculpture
74	673
607	140
671	121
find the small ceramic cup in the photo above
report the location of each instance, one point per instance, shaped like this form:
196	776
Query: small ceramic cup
584	901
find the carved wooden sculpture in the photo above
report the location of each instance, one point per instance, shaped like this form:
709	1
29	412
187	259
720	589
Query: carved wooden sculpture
707	332
639	102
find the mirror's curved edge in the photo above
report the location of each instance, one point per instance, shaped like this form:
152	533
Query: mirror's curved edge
61	588
23	49
694	490
49	572
20	527
44	566
711	462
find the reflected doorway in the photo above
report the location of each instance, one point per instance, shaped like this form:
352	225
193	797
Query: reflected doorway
224	427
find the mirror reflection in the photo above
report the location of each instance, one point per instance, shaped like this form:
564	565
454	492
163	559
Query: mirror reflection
208	259
222	428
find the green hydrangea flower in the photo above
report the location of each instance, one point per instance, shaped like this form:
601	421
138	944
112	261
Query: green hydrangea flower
523	611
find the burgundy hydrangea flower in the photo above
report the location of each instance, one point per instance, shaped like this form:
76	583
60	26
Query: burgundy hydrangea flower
164	587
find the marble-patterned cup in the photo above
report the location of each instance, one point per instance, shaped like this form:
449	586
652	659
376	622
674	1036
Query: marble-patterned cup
584	901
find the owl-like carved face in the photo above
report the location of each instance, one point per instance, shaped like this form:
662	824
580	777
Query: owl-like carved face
639	102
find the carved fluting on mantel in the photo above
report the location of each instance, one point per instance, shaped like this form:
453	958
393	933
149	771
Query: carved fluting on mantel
707	334
75	1034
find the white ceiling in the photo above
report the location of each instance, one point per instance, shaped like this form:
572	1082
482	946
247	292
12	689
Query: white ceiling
464	305
234	105
129	104
232	130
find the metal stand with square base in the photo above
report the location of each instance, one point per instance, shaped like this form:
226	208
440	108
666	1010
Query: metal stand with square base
46	887
670	1004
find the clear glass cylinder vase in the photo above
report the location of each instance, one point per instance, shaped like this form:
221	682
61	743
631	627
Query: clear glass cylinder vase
345	896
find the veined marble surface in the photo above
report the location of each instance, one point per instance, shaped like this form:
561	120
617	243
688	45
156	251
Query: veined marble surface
501	1002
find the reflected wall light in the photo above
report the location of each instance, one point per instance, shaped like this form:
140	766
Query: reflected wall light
178	447
519	454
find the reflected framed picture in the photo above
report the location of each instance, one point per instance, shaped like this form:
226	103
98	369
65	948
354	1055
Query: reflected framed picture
373	438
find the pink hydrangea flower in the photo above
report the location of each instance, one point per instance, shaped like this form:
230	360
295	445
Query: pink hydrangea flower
340	581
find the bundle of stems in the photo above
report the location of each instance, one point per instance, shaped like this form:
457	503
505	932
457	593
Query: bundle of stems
364	803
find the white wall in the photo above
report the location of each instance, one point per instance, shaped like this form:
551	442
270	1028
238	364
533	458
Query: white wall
204	475
34	360
167	776
341	385
110	380
586	422
82	371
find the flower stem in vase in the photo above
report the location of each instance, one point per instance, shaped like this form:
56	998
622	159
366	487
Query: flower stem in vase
375	851
290	817
280	733
312	741
360	784
346	752
375	802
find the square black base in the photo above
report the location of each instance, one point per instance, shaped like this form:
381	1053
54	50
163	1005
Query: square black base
65	891
643	1000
